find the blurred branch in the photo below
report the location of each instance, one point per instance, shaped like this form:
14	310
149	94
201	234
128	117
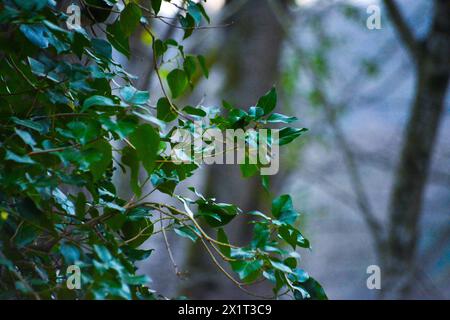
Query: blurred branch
402	27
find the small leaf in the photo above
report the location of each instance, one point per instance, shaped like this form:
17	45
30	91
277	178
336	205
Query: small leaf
26	137
202	62
164	110
194	111
280	118
186	232
280	266
19	159
29	124
268	102
195	12
103	253
133	96
177	81
287	135
97	101
156	5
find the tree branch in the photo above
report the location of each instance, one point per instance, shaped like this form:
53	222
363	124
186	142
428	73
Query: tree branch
402	28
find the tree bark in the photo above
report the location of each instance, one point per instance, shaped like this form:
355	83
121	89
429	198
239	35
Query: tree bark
433	72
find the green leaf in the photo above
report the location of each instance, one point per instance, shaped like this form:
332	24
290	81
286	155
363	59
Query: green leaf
136	254
194	111
133	96
314	289
130	158
217	214
136	232
19	159
83	130
103	253
156	5
164	110
102	160
29	124
31	5
300	275
202	61
25	235
129	18
247	270
293	237
146	141
26	137
203	11
283	210
255	112
261	235
280	118
189	66
70	253
280	266
136	279
178	81
188	23
287	135
248	170
265	183
195	12
37	34
63	201
97	101
159	47
102	47
186	232
118	38
268	102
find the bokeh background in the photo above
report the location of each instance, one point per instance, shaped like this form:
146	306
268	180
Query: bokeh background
356	90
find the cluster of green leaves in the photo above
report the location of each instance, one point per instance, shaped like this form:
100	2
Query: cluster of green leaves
65	105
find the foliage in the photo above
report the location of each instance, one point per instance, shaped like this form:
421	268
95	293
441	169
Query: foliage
65	104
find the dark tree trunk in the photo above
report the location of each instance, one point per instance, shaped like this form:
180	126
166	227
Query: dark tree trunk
406	202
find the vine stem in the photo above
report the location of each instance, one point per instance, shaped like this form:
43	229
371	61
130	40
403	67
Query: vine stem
169	250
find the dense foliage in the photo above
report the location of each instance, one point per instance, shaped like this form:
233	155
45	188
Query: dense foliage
71	117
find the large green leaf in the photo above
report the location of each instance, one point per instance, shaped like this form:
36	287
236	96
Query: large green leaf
165	111
178	81
146	141
99	157
129	18
283	209
268	102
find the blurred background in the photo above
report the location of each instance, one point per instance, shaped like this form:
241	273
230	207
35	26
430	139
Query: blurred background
372	176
